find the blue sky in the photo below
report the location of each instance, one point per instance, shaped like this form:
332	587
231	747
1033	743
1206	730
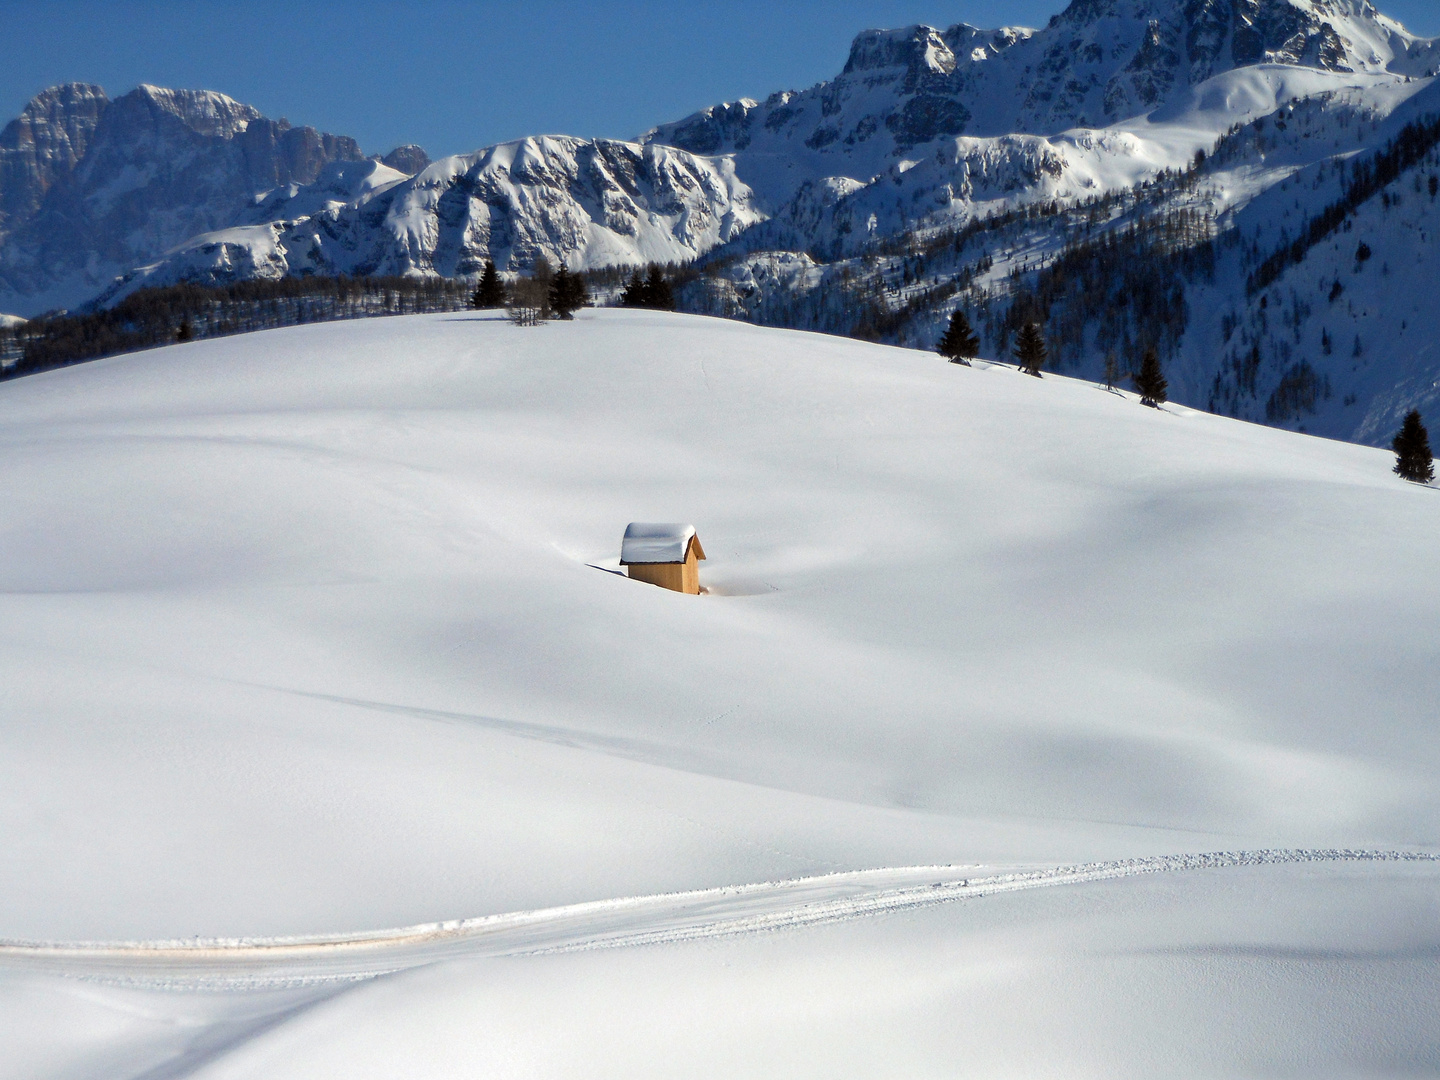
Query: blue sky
457	76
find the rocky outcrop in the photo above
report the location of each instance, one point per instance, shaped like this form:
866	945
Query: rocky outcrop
408	159
42	146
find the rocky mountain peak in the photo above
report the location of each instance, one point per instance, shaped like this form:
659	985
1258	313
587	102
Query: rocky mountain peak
43	144
90	187
204	112
919	50
409	159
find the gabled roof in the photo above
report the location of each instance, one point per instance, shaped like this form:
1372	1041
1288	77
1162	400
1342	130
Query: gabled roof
652	542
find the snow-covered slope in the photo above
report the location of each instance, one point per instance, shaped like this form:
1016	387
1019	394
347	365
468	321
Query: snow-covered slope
925	131
310	631
1343	342
339	183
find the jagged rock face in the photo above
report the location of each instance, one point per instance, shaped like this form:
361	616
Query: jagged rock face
43	144
587	203
408	159
1097	63
130	178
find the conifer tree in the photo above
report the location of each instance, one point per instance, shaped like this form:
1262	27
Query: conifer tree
1030	350
634	294
1412	450
567	293
959	345
1150	380
491	293
658	294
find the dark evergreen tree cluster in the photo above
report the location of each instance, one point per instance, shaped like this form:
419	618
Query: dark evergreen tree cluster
150	317
651	291
1413	460
491	291
959	345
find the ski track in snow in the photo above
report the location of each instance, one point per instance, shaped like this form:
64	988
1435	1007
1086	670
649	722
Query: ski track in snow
268	963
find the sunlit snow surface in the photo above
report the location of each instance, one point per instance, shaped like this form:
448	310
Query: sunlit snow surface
308	634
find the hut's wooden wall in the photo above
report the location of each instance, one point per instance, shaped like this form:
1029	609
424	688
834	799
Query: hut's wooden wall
677	577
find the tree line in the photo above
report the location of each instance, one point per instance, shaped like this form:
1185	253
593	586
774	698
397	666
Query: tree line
159	316
150	317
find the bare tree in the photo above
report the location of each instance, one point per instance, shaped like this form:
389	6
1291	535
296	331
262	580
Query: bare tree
529	302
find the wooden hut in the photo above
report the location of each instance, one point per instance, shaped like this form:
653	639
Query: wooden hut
664	555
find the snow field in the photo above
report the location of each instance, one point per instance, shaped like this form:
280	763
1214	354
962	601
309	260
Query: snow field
299	638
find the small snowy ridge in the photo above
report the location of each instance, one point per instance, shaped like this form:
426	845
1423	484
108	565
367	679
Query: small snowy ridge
702	913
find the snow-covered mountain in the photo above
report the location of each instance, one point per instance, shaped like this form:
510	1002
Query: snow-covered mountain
91	187
1334	337
1097	64
589	202
922	126
1252	120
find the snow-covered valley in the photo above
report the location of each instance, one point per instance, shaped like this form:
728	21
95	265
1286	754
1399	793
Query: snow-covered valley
308	634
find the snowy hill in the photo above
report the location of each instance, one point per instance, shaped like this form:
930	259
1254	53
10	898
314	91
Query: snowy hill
310	632
1340	343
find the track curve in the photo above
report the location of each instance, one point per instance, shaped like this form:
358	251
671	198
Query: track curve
264	963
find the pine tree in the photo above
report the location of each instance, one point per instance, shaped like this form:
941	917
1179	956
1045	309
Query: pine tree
1150	381
634	294
658	294
491	293
1412	450
186	331
1030	350
959	345
567	293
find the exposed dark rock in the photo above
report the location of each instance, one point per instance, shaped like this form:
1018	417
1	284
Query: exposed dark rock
409	159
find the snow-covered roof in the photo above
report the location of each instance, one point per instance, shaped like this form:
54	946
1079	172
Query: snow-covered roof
653	542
